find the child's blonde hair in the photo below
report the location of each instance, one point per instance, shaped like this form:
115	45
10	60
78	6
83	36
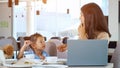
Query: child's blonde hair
34	37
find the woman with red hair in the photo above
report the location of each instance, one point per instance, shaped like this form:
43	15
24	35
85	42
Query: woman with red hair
93	24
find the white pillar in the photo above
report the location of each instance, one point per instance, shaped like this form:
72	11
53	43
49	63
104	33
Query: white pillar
30	18
113	19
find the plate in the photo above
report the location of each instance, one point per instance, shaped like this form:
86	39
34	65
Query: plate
50	66
59	62
62	60
46	63
16	65
22	63
10	60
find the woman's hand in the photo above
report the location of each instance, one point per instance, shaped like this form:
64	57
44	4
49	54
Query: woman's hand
62	48
81	32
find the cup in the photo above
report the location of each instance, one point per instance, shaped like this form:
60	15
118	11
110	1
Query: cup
51	59
2	57
30	56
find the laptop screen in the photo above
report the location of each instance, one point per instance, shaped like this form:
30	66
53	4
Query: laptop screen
87	52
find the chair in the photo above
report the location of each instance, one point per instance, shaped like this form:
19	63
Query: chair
21	39
5	42
2	37
55	41
62	55
116	56
111	47
50	48
14	43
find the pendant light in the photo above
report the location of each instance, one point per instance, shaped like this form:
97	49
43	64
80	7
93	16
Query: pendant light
37	12
16	2
44	1
67	11
9	3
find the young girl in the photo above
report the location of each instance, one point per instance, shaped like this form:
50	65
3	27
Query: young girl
37	45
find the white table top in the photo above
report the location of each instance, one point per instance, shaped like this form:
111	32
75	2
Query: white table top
59	64
110	65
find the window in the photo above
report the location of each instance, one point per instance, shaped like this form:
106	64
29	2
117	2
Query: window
56	18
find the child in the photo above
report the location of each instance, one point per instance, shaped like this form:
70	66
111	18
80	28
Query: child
37	45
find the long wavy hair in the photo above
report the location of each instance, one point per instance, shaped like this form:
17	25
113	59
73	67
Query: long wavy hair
94	20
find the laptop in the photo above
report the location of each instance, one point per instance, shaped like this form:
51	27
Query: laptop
87	53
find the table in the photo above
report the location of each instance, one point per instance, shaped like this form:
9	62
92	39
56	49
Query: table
110	65
60	64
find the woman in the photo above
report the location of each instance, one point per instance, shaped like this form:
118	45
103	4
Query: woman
93	24
37	45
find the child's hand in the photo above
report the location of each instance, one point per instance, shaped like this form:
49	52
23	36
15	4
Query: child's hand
27	43
39	53
42	57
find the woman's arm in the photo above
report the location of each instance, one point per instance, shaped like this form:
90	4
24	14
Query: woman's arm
81	32
62	48
23	48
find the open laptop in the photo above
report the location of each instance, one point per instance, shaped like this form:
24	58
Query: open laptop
87	52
